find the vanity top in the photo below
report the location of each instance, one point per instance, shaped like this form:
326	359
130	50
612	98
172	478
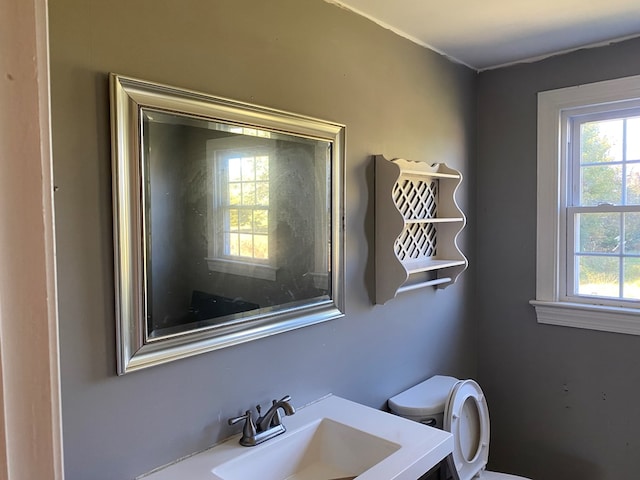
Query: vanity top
330	439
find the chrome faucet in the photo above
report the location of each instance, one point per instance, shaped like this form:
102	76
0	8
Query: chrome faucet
266	426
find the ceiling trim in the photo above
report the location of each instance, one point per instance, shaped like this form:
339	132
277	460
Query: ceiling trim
399	32
537	58
525	60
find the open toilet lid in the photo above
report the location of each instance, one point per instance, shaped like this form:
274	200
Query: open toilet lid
466	416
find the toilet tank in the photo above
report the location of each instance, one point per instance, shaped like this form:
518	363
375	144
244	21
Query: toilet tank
425	401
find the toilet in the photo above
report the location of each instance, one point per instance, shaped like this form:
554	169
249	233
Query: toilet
459	407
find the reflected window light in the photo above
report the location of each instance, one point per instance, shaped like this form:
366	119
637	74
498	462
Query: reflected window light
244	204
252	132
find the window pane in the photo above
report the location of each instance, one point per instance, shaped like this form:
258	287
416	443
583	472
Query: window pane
248	170
261	246
598	142
598	232
246	245
631	288
232	244
633	138
235	193
262	168
234	169
601	184
632	233
261	221
246	220
232	223
248	193
598	276
633	184
601	141
262	193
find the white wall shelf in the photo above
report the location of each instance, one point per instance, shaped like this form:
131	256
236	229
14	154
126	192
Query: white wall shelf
428	264
409	221
417	225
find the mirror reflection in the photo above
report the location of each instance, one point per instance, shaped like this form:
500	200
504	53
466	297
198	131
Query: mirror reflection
236	221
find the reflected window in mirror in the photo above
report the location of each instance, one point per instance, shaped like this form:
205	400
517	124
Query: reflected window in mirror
240	233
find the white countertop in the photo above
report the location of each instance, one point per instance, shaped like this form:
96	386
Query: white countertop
415	448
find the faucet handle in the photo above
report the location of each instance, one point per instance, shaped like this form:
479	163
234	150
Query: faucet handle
234	420
249	429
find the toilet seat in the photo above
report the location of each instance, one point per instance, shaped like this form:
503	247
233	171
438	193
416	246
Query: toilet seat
466	416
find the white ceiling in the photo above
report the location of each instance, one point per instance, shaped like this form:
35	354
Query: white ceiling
491	33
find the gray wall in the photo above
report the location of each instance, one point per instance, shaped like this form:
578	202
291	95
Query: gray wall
564	401
305	56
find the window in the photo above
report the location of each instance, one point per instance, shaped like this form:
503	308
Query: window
241	211
603	211
244	206
588	249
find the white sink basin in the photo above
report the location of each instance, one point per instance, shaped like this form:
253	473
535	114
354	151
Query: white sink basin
332	438
322	450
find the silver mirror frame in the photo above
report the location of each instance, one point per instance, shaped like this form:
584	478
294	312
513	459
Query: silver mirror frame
135	350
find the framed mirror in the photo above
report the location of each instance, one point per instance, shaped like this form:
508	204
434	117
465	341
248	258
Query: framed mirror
228	221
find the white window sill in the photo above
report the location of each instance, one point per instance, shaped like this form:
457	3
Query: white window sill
253	270
593	317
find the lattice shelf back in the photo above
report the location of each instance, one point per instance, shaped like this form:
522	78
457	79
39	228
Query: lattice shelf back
416	199
417	241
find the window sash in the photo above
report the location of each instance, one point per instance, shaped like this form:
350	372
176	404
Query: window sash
574	207
224	208
574	253
575	120
228	231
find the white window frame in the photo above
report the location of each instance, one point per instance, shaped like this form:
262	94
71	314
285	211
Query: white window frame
552	305
217	261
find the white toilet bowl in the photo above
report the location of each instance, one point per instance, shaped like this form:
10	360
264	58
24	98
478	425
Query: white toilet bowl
458	406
